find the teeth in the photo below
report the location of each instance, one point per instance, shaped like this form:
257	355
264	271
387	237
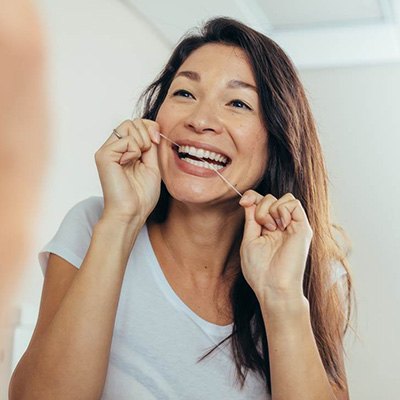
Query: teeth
201	153
202	164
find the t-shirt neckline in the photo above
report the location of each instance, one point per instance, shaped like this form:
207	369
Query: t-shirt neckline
210	328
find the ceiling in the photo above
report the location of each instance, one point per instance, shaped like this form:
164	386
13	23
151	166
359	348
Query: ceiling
315	33
289	14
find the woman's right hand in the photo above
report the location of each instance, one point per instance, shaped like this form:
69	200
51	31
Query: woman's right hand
129	172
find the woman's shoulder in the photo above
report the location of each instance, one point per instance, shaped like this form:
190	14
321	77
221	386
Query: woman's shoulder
73	236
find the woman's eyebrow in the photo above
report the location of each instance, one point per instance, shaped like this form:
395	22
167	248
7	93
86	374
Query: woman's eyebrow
194	76
232	84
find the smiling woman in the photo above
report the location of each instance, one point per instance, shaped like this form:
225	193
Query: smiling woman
143	285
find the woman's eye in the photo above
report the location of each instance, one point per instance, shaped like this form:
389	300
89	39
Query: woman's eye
183	93
239	104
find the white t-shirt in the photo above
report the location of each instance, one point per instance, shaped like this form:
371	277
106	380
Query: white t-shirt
157	338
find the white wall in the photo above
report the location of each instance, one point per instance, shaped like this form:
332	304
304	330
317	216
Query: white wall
101	56
357	110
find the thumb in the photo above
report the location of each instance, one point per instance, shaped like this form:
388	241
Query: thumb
150	157
252	230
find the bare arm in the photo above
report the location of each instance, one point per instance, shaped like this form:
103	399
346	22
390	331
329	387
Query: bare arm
68	355
297	371
274	250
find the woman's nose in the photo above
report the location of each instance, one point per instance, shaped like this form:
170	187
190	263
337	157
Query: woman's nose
204	118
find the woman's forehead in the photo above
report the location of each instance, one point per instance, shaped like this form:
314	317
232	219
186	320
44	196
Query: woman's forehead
228	60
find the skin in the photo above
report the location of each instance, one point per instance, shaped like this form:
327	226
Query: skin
78	329
23	139
201	106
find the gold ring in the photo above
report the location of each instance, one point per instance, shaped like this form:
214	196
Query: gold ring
117	134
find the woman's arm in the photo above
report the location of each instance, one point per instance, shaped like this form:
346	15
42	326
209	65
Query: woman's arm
296	367
68	354
276	241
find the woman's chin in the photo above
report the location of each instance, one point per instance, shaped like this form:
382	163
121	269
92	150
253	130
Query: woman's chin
194	194
193	198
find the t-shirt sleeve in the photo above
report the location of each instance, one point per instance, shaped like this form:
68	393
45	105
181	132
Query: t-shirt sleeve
73	237
338	272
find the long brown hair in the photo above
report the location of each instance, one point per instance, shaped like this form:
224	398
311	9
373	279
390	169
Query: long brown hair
295	165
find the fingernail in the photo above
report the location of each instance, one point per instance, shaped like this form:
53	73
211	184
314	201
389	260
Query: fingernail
280	224
246	199
158	137
251	197
271	227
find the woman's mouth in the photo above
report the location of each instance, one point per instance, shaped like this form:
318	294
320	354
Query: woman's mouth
201	157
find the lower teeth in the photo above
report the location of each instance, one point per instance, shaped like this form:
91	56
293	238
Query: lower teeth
203	164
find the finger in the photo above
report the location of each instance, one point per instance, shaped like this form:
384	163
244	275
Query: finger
141	130
130	152
122	130
154	130
115	150
112	138
262	215
127	127
150	157
145	132
249	198
148	131
282	218
252	230
291	210
127	150
249	201
134	129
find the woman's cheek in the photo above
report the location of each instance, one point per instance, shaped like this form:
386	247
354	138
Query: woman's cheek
168	116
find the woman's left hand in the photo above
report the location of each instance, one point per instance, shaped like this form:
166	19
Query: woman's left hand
275	245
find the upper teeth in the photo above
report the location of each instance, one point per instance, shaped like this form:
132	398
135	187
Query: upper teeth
201	153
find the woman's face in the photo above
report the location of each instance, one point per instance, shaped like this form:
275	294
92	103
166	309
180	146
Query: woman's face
212	111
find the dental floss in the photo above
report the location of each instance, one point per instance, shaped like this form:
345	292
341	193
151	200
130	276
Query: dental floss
202	159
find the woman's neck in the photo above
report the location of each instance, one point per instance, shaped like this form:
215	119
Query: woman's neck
203	242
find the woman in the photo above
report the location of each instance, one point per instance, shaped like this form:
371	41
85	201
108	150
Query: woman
172	263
